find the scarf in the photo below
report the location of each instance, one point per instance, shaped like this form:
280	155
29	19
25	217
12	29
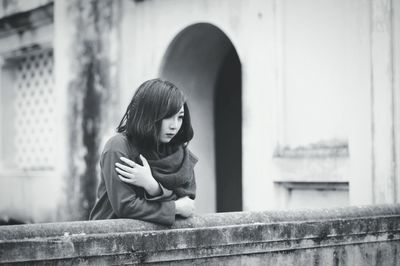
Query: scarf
176	171
172	167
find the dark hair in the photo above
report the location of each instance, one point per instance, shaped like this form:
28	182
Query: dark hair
153	101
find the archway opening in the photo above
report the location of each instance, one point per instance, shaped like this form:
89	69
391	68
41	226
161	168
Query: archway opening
202	61
228	134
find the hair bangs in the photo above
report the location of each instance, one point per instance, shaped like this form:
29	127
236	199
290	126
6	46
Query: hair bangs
173	104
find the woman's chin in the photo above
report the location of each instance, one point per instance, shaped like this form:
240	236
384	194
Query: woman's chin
165	141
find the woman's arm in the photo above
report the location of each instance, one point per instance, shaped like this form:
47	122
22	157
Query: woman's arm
127	200
138	175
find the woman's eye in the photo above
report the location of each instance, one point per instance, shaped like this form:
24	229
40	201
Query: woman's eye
180	117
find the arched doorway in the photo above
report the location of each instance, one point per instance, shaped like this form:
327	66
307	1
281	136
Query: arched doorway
203	62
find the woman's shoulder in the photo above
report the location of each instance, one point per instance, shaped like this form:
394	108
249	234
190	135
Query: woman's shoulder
118	142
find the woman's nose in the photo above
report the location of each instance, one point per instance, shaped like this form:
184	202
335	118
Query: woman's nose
173	124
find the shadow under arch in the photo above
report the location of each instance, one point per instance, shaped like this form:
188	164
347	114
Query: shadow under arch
202	61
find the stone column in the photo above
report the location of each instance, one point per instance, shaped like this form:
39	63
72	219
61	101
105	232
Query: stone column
384	156
85	45
396	88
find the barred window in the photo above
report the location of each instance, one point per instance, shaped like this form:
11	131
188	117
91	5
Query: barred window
34	122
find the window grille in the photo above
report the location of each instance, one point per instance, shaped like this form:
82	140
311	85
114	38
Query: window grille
35	112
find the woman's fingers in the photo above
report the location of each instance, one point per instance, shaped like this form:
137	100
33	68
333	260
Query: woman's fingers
125	174
124	167
126	180
128	161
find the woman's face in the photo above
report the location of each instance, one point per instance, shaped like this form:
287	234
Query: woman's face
170	126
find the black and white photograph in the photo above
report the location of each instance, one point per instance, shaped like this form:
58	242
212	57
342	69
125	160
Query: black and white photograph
200	132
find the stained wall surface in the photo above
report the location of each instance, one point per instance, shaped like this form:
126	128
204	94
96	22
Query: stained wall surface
318	98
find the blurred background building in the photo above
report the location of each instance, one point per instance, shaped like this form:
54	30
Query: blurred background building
295	104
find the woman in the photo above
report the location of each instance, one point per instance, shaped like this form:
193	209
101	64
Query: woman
146	168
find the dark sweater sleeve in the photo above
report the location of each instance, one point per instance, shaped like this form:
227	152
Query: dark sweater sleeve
165	195
127	200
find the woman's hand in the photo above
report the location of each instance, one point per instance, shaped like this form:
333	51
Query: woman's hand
184	207
135	174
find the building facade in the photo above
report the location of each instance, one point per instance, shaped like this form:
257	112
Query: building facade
294	104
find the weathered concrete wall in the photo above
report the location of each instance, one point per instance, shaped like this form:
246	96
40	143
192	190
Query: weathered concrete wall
312	75
86	62
26	30
83	38
368	235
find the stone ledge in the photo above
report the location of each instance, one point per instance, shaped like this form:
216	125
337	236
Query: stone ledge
205	220
214	238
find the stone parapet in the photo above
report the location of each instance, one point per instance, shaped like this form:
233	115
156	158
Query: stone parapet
366	235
